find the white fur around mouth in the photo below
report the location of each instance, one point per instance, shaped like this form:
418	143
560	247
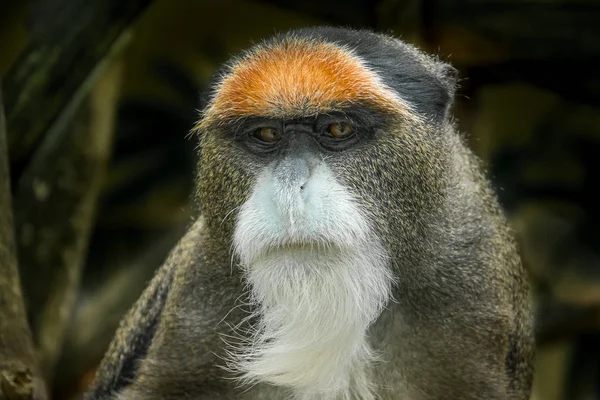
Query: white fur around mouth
315	299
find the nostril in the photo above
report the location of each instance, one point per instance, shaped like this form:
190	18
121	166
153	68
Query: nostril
301	187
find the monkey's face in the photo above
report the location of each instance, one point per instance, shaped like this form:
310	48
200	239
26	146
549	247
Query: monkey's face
305	147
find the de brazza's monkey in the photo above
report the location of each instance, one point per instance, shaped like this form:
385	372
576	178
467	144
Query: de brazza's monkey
349	246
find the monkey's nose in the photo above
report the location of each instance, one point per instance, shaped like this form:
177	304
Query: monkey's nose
292	172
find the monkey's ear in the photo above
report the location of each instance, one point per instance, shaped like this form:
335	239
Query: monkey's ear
425	82
447	77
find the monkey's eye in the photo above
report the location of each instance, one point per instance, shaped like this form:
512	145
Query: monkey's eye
266	134
340	130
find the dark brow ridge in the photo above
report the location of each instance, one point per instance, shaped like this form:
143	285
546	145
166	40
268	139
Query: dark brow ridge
361	114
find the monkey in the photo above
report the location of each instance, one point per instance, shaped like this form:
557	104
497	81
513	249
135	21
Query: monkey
348	243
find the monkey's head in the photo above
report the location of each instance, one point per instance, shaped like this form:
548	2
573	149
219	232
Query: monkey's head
324	155
322	137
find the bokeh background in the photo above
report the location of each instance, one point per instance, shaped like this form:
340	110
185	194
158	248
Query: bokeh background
100	95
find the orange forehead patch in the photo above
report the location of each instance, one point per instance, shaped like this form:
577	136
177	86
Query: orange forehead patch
298	78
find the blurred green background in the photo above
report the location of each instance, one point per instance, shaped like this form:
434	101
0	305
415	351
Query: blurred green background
100	96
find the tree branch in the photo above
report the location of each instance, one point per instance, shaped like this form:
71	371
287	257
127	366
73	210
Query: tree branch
70	39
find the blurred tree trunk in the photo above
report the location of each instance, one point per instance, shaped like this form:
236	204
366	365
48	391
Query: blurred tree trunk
55	206
59	136
18	372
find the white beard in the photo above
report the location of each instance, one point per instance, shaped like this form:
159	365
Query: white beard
315	301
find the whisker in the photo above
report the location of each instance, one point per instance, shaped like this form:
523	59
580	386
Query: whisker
228	214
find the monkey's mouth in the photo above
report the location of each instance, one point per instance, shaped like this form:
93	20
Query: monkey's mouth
308	245
303	247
